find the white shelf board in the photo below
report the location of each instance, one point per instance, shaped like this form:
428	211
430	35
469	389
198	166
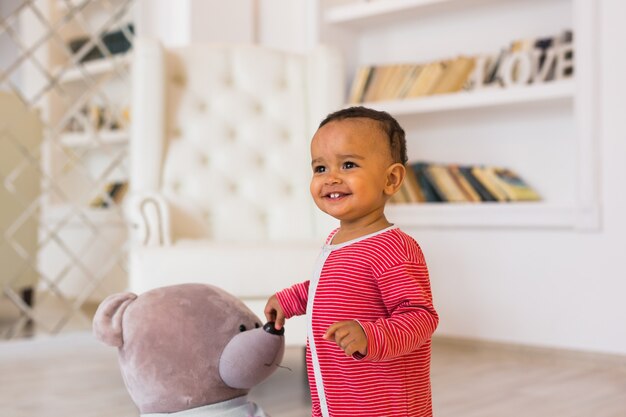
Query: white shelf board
94	68
95	138
514	215
364	13
549	91
55	213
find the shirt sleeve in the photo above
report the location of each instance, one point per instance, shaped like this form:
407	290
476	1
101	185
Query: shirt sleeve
294	299
412	319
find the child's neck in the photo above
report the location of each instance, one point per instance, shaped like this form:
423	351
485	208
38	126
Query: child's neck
354	230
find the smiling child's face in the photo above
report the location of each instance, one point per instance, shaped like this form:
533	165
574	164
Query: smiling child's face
351	161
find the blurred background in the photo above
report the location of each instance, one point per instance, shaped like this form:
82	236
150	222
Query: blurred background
142	144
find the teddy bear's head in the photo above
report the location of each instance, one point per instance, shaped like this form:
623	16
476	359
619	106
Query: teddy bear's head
187	346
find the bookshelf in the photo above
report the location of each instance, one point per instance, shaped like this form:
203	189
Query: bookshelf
95	138
82	94
96	68
545	131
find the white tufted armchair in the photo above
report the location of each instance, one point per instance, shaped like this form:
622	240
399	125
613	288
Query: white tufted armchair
220	167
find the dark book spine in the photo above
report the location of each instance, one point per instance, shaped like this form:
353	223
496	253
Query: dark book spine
430	193
485	195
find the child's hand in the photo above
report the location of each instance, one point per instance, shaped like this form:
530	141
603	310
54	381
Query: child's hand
349	336
274	312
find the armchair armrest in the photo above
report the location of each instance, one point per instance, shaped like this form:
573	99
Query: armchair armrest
149	213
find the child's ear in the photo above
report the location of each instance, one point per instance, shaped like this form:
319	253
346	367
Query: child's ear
395	176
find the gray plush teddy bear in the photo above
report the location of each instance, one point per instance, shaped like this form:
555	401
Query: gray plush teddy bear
189	350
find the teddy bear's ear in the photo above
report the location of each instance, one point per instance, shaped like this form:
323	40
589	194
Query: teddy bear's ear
107	323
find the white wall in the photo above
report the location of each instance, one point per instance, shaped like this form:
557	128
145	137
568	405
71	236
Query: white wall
544	287
536	287
540	287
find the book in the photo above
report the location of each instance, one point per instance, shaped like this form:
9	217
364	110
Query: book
430	193
444	184
487	178
413	186
483	192
464	185
428	77
360	83
115	42
379	78
513	186
395	82
114	193
408	81
455	76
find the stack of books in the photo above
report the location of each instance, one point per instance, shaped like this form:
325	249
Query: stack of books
114	193
116	42
407	80
430	182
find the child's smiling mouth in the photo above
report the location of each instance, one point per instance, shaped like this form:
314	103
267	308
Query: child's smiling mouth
335	195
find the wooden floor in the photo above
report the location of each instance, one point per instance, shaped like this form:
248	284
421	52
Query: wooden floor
73	375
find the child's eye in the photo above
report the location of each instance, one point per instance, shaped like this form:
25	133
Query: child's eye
349	165
319	169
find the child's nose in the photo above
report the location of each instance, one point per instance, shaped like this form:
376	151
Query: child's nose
333	178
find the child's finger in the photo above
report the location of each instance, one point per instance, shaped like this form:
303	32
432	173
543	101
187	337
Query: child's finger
279	322
330	332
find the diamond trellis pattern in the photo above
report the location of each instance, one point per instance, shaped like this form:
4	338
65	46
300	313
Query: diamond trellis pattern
65	65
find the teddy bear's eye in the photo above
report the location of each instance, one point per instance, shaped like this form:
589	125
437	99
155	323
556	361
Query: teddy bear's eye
242	328
257	325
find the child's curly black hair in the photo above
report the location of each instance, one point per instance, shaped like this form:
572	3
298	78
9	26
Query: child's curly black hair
389	125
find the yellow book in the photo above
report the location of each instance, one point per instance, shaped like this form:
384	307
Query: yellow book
445	184
414	192
412	73
359	84
396	80
513	186
455	76
378	76
427	79
487	178
463	184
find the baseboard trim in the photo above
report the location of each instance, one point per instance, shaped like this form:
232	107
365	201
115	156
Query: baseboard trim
547	353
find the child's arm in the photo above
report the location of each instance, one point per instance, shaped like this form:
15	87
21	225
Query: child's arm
287	303
405	291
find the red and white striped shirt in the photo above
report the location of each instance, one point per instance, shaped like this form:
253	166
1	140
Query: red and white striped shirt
380	280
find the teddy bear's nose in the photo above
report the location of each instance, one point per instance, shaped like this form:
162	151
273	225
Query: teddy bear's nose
269	327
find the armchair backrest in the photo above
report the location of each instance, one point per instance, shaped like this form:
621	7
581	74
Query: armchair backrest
222	133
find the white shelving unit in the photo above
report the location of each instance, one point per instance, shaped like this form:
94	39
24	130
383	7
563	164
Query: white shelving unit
558	120
489	97
95	68
85	148
95	138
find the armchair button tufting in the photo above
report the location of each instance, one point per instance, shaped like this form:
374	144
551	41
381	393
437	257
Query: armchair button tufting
204	160
176	133
231	134
285	135
178	80
232	187
259	161
281	84
202	106
257	108
288	189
